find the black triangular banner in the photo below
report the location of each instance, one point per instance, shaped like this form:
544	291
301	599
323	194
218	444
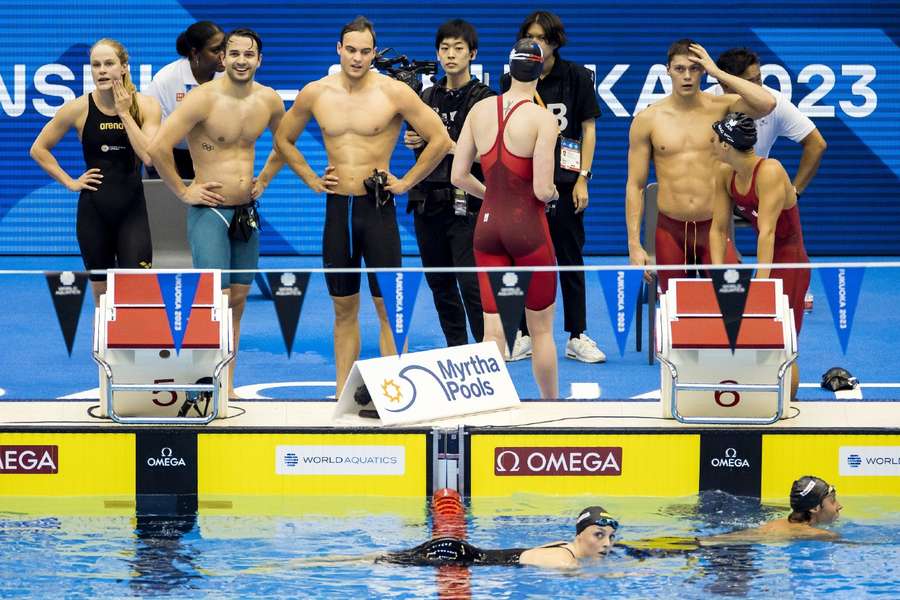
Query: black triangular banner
288	290
731	287
67	290
510	288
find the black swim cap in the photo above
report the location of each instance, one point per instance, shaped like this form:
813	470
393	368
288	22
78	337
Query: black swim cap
808	492
594	515
526	60
737	129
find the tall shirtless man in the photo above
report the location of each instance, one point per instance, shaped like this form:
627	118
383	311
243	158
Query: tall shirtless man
360	113
677	133
222	120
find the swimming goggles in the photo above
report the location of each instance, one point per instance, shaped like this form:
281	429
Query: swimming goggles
606	520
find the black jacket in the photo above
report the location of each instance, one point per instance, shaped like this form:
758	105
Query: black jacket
452	106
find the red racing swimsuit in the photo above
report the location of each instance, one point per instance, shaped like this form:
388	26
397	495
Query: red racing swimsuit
512	227
788	244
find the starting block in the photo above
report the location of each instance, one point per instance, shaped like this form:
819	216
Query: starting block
143	379
702	382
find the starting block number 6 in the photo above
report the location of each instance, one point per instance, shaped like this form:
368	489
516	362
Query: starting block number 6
733	397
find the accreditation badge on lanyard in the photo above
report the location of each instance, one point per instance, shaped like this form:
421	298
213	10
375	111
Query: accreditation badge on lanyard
569	149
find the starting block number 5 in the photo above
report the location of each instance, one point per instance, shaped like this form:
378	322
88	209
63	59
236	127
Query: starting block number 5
173	396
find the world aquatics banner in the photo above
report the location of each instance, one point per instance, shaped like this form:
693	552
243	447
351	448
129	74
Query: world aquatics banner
838	61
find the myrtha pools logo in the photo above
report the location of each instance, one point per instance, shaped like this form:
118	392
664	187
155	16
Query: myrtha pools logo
454	379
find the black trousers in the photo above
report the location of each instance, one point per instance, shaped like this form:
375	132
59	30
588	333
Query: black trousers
445	240
567	234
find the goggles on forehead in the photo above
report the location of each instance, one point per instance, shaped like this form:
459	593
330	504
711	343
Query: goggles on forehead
606	520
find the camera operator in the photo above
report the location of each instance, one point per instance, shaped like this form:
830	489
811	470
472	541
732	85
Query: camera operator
567	90
444	216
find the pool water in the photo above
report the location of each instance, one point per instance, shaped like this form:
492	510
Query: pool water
279	550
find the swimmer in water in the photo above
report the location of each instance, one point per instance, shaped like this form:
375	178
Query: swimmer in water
813	503
595	534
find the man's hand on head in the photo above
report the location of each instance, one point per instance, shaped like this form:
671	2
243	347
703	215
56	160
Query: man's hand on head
701	57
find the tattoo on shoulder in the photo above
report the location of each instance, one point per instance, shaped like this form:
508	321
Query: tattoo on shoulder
207	147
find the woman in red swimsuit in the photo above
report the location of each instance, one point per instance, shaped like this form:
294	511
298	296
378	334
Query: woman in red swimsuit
515	139
761	190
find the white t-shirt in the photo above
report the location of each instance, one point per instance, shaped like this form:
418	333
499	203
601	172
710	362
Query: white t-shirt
785	120
169	86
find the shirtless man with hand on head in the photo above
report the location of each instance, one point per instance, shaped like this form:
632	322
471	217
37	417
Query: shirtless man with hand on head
360	113
677	133
222	120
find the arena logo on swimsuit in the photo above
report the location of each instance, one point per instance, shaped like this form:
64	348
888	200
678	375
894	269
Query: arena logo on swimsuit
537	461
29	460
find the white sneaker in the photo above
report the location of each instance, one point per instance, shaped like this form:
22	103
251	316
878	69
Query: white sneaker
521	348
584	349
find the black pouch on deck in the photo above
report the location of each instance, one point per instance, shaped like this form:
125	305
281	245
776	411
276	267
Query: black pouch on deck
837	379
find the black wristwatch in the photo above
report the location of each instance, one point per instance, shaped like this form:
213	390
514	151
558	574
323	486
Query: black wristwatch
586	174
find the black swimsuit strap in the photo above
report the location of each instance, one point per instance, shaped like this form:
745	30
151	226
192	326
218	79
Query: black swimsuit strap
564	546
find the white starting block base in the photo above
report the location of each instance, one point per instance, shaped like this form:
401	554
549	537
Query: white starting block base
720	366
701	381
140	367
142	377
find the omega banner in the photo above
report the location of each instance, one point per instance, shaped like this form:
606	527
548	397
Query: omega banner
588	461
562	464
29	460
435	384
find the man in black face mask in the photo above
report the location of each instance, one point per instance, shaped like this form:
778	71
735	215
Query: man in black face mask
444	216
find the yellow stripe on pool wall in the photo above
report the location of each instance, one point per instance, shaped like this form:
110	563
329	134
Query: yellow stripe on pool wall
856	465
67	464
331	464
611	465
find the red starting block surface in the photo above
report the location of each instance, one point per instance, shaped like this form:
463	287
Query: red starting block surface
141	320
697	321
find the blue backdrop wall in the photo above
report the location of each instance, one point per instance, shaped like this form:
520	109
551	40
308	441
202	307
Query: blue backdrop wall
838	61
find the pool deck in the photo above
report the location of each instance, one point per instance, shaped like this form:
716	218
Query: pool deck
562	415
